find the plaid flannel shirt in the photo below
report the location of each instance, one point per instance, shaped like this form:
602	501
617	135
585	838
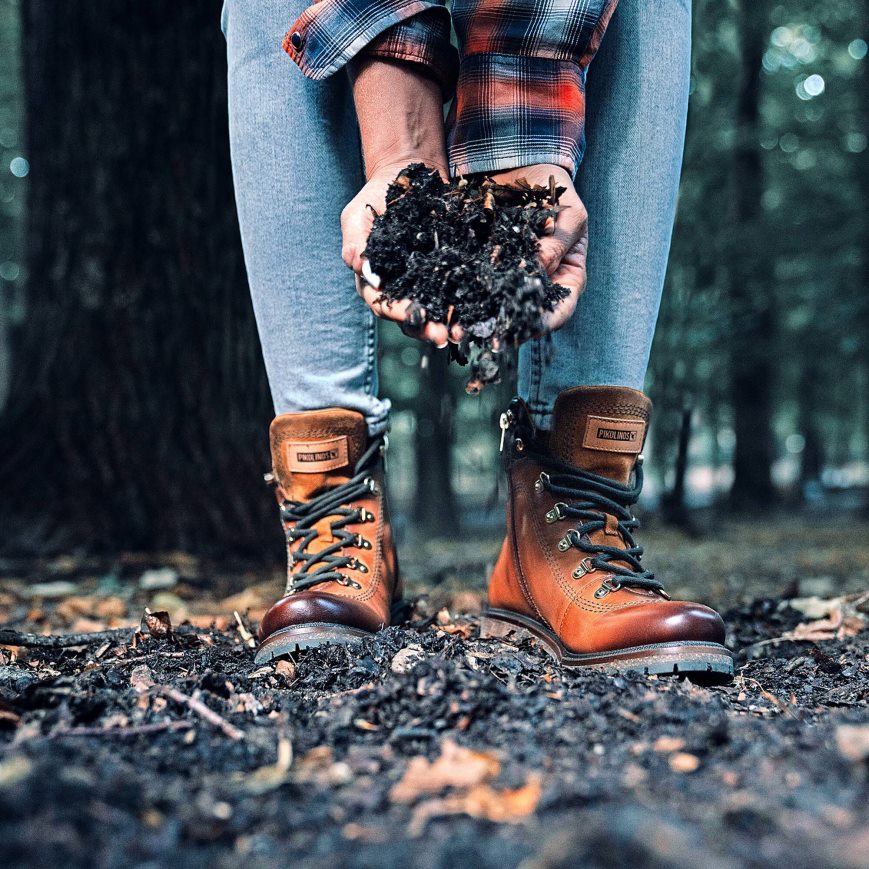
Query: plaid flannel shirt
519	74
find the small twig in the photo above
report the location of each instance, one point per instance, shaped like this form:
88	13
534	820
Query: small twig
131	730
246	635
9	637
201	710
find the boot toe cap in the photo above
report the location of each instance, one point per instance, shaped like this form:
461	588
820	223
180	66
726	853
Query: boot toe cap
683	620
650	624
316	607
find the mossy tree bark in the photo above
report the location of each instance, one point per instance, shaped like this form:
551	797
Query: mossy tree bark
138	407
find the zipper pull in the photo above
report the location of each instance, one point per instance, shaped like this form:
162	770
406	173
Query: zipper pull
505	422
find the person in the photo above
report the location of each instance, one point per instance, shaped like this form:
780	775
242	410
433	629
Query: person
533	83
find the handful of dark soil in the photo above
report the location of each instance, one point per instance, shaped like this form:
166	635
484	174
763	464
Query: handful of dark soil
466	252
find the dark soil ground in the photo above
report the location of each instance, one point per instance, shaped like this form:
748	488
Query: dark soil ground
423	746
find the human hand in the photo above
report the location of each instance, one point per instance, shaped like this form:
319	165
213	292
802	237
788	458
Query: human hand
563	251
357	220
401	121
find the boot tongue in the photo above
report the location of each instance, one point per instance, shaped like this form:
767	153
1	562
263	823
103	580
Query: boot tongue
600	429
316	449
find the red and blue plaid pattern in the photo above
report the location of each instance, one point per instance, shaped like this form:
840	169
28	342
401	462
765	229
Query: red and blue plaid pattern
330	33
520	94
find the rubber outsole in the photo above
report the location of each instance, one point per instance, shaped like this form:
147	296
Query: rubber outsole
293	639
296	638
699	661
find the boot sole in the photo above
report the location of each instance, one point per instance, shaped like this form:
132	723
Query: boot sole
700	661
296	638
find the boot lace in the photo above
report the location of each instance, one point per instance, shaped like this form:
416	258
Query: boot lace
326	565
589	498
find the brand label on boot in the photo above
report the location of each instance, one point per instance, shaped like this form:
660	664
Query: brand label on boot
316	457
614	435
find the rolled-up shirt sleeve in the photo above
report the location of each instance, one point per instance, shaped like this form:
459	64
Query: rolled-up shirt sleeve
520	96
330	33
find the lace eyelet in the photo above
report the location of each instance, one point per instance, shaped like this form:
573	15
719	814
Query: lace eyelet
541	482
564	544
608	585
347	582
362	543
585	566
367	516
555	513
371	483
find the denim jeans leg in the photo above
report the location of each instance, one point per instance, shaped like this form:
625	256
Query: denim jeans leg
296	162
636	107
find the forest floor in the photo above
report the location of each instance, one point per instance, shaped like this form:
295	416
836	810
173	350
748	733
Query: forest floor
158	741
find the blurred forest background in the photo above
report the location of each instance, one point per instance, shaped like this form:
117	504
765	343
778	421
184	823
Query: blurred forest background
134	404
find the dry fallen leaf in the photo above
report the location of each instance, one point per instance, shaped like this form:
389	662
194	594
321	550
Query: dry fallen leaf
836	627
285	668
841	617
815	607
507	806
457	767
158	624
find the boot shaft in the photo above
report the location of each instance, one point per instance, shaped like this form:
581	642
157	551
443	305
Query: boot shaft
315	449
600	429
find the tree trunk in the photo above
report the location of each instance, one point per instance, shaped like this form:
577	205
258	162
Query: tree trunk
138	404
812	457
862	319
752	325
435	508
673	503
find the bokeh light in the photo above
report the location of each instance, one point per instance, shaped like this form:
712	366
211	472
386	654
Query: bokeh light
857	49
19	167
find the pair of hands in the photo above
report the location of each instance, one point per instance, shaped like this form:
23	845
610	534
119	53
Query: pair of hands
562	253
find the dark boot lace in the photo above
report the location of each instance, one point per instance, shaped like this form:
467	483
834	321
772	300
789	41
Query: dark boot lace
589	498
326	565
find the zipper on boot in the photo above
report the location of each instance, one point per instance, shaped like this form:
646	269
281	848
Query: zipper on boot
506	422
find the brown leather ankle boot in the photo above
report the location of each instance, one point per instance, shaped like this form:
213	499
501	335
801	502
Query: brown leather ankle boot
342	577
570	573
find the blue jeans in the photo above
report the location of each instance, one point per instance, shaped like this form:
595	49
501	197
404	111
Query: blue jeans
297	161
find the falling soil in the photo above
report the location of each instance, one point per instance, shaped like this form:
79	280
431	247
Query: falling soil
426	746
466	252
